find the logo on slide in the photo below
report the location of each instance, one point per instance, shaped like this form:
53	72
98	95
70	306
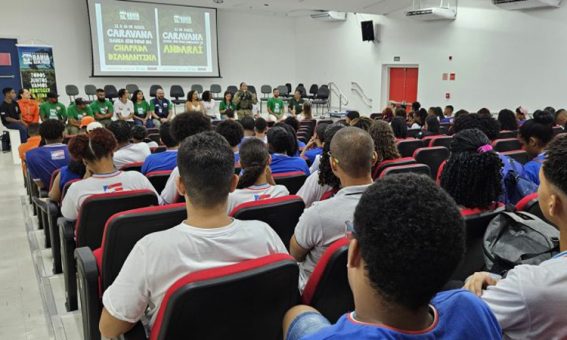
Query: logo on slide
179	19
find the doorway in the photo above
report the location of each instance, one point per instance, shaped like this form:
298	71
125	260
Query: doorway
9	65
400	84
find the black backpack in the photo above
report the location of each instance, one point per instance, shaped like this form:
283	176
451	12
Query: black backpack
514	238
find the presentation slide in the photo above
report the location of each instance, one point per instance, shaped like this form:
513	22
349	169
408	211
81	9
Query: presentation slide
153	40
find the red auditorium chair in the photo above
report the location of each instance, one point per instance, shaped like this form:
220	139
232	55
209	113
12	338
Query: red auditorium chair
476	223
249	298
97	270
508	144
328	290
89	228
413	133
407	147
505	134
432	157
137	166
520	156
440	141
378	169
281	213
40	203
159	179
403	169
530	204
293	181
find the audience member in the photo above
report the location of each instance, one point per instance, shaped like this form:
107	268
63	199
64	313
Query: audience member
142	111
415	106
314	147
75	170
550	109
363	123
384	141
401	112
420	118
260	129
507	120
521	115
158	260
431	127
276	108
226	107
209	105
484	112
244	101
437	112
448	113
140	135
387	114
233	133
399	127
350	116
398	264
102	175
126	152
42	161
283	146
352	157
124	107
161	108
75	113
291	124
307	113
472	174
561	118
163	161
535	134
193	103
33	142
51	108
102	108
29	107
529	302
10	114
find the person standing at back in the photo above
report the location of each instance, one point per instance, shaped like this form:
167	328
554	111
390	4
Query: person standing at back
127	152
161	108
28	107
52	108
102	108
123	107
10	114
276	109
244	101
352	158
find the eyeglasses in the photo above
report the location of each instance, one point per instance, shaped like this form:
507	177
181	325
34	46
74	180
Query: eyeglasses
350	233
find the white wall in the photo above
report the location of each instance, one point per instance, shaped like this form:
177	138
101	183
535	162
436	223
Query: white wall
501	58
64	25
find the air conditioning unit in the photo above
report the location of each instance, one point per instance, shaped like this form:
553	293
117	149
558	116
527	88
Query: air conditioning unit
329	16
526	4
431	14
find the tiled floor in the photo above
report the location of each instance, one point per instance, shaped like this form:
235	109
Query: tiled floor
31	297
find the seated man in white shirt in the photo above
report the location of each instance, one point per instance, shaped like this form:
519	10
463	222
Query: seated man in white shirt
127	152
209	238
184	125
352	157
530	302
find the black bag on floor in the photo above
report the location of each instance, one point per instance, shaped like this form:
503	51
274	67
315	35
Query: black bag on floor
514	238
6	141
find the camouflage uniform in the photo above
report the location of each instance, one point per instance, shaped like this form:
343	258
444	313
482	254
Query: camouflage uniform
244	105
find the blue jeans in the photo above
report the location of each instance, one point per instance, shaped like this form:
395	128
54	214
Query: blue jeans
306	324
149	123
20	127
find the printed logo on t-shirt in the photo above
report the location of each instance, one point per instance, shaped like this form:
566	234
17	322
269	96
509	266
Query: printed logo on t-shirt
113	187
262	197
57	155
52	114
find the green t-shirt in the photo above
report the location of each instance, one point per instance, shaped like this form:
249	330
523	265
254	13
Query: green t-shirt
141	109
223	106
276	105
102	108
74	112
49	110
297	105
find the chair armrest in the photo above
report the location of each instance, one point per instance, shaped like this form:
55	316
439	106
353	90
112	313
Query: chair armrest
67	242
53	213
136	333
88	287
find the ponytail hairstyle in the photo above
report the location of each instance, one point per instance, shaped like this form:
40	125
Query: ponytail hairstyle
254	159
326	175
100	143
472	174
540	128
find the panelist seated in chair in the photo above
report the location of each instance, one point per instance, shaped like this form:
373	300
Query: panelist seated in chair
209	238
397	265
96	153
256	182
352	157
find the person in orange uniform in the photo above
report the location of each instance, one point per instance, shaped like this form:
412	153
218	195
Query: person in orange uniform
28	106
32	143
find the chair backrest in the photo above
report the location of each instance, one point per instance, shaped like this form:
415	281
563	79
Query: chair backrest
323	93
313	89
378	169
110	91
71	90
176	91
137	166
475	227
197	87
153	89
281	214
508	144
232	89
159	179
131	88
433	157
407	147
293	181
530	204
441	141
155	137
289	87
90	90
252	88
52	179
413	133
520	156
124	229
403	169
66	188
216	89
250	298
505	134
97	209
284	92
266	89
328	289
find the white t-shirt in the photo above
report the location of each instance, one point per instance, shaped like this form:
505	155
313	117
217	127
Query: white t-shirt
160	259
210	109
323	224
315	166
530	303
169	193
312	191
415	126
100	184
131	153
255	193
123	109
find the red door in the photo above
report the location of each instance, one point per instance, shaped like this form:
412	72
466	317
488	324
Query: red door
403	85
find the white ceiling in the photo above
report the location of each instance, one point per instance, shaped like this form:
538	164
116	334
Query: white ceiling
300	7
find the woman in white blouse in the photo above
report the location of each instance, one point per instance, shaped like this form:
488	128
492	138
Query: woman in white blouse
210	105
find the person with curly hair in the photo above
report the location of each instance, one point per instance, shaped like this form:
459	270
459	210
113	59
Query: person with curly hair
74	170
384	141
351	158
529	303
398	265
97	151
322	180
399	128
472	174
363	123
507	120
535	134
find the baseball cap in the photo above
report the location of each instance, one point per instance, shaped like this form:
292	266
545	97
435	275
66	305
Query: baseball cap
94	126
80	101
52	95
86	121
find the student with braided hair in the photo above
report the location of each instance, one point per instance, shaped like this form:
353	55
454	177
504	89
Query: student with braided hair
472	173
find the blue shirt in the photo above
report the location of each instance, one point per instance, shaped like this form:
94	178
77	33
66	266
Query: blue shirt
312	153
44	160
65	176
160	161
237	157
531	168
283	163
161	107
458	315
